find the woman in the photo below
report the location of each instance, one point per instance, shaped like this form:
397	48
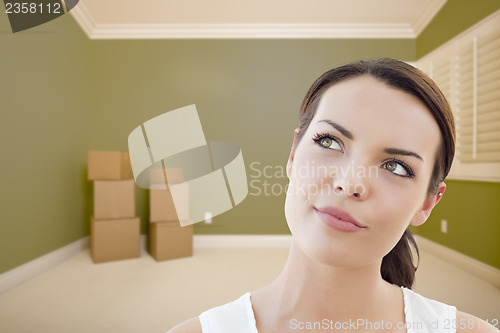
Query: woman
375	141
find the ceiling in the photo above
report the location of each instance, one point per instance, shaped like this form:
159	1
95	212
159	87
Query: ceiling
131	19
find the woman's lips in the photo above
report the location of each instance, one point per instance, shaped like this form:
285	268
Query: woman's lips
338	219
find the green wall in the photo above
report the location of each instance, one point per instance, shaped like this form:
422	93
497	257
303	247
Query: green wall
246	91
44	130
454	17
473	213
63	95
472	209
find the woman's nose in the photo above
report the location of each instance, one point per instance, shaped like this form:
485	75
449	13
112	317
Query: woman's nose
347	188
351	182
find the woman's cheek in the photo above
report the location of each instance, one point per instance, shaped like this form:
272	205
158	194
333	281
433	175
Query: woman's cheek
307	183
395	212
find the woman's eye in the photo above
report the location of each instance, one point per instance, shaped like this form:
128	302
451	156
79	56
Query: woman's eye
397	169
327	142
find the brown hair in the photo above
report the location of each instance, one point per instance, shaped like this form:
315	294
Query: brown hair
397	266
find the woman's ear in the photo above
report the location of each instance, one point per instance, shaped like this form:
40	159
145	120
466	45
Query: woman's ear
292	155
429	203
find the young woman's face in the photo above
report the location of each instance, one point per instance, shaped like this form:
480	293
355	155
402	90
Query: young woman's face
366	158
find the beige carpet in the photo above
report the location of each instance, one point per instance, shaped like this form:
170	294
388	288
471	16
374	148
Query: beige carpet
142	295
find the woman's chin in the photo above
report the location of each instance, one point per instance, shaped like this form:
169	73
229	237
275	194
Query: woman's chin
329	252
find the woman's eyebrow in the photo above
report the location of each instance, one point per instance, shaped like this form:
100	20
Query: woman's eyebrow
339	128
397	151
347	134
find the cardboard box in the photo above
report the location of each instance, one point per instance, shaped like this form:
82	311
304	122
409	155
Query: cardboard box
114	199
109	165
168	240
114	239
161	204
157	176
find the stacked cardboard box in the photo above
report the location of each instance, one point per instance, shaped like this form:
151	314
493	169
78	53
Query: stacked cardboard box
114	228
167	239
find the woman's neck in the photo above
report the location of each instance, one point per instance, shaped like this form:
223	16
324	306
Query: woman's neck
310	291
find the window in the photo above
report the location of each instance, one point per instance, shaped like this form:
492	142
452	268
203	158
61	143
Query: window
467	70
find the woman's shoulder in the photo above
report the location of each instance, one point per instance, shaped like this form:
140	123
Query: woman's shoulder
235	316
192	325
427	310
467	323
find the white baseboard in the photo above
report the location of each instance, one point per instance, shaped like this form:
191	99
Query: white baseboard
483	271
144	242
235	241
32	268
242	241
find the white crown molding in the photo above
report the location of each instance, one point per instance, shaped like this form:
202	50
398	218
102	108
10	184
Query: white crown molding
454	40
83	17
96	30
250	31
426	15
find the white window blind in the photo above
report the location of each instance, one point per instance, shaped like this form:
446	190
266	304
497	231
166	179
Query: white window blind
467	70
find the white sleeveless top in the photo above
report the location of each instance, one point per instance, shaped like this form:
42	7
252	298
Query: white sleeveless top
422	315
